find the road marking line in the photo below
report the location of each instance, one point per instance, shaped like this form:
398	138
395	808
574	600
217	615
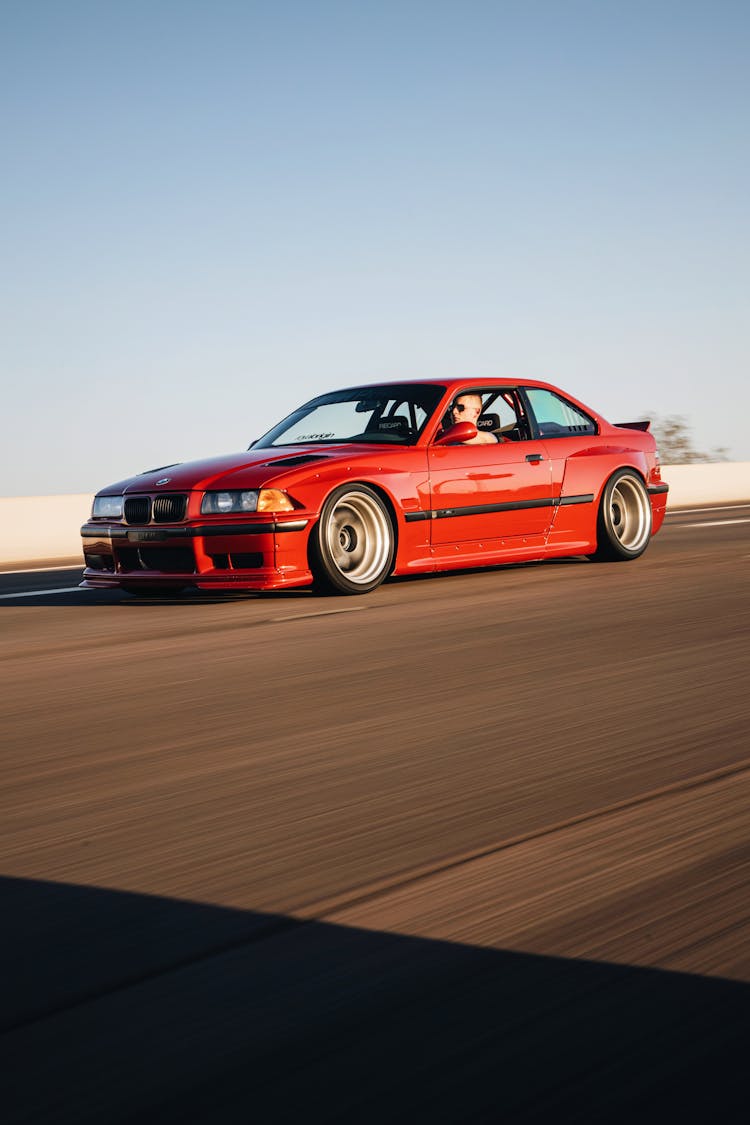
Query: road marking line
697	511
320	613
42	593
712	523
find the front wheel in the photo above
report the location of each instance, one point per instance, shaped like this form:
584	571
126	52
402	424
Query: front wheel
352	544
624	520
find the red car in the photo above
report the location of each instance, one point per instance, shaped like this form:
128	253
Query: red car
393	478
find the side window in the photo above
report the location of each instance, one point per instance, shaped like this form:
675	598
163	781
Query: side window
555	416
502	413
505	408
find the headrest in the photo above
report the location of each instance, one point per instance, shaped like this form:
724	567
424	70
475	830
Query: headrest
488	422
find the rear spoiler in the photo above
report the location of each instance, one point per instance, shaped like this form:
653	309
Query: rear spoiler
634	425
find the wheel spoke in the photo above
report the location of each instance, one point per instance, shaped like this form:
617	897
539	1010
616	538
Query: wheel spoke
630	513
358	537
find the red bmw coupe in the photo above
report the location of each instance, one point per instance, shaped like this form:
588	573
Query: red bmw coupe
393	478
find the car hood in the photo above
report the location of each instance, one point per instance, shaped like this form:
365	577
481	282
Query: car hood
249	469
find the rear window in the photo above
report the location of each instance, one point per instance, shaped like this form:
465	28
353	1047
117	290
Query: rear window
555	416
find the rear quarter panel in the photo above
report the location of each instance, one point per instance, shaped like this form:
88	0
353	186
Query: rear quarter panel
582	466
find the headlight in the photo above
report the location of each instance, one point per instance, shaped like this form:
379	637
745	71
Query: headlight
110	506
254	500
224	502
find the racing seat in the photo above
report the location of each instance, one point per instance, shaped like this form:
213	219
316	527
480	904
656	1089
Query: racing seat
396	426
491	424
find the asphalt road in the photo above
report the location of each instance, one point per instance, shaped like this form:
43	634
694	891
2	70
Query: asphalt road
475	847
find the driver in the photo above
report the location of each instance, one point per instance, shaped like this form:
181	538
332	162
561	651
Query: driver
467	408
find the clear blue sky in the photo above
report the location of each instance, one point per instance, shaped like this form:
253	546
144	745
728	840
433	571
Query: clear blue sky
215	209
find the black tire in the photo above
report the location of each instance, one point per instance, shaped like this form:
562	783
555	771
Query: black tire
352	544
623	528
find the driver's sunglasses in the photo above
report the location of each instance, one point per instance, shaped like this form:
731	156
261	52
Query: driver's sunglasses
459	407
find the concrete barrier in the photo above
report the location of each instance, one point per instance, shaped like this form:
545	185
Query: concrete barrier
35	529
725	482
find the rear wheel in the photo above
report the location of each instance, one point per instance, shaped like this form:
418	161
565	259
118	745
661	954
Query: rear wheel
352	544
624	520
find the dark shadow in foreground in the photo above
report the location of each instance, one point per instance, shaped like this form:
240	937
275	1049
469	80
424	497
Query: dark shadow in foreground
43	592
120	1008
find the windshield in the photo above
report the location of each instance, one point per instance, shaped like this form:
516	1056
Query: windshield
394	414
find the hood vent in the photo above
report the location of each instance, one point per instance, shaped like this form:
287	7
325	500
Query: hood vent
299	459
160	469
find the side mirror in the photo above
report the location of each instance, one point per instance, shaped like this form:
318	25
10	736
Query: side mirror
455	434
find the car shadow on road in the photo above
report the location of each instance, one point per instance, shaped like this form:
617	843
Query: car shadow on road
183	600
190	598
126	1007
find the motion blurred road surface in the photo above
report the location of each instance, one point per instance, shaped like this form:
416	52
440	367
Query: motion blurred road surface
474	847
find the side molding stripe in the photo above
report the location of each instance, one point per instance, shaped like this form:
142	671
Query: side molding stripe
510	506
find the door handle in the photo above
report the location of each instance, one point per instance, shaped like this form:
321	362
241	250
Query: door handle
534	457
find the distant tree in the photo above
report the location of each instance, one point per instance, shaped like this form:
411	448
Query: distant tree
675	442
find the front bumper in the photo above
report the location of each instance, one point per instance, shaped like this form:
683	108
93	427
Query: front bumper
262	555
